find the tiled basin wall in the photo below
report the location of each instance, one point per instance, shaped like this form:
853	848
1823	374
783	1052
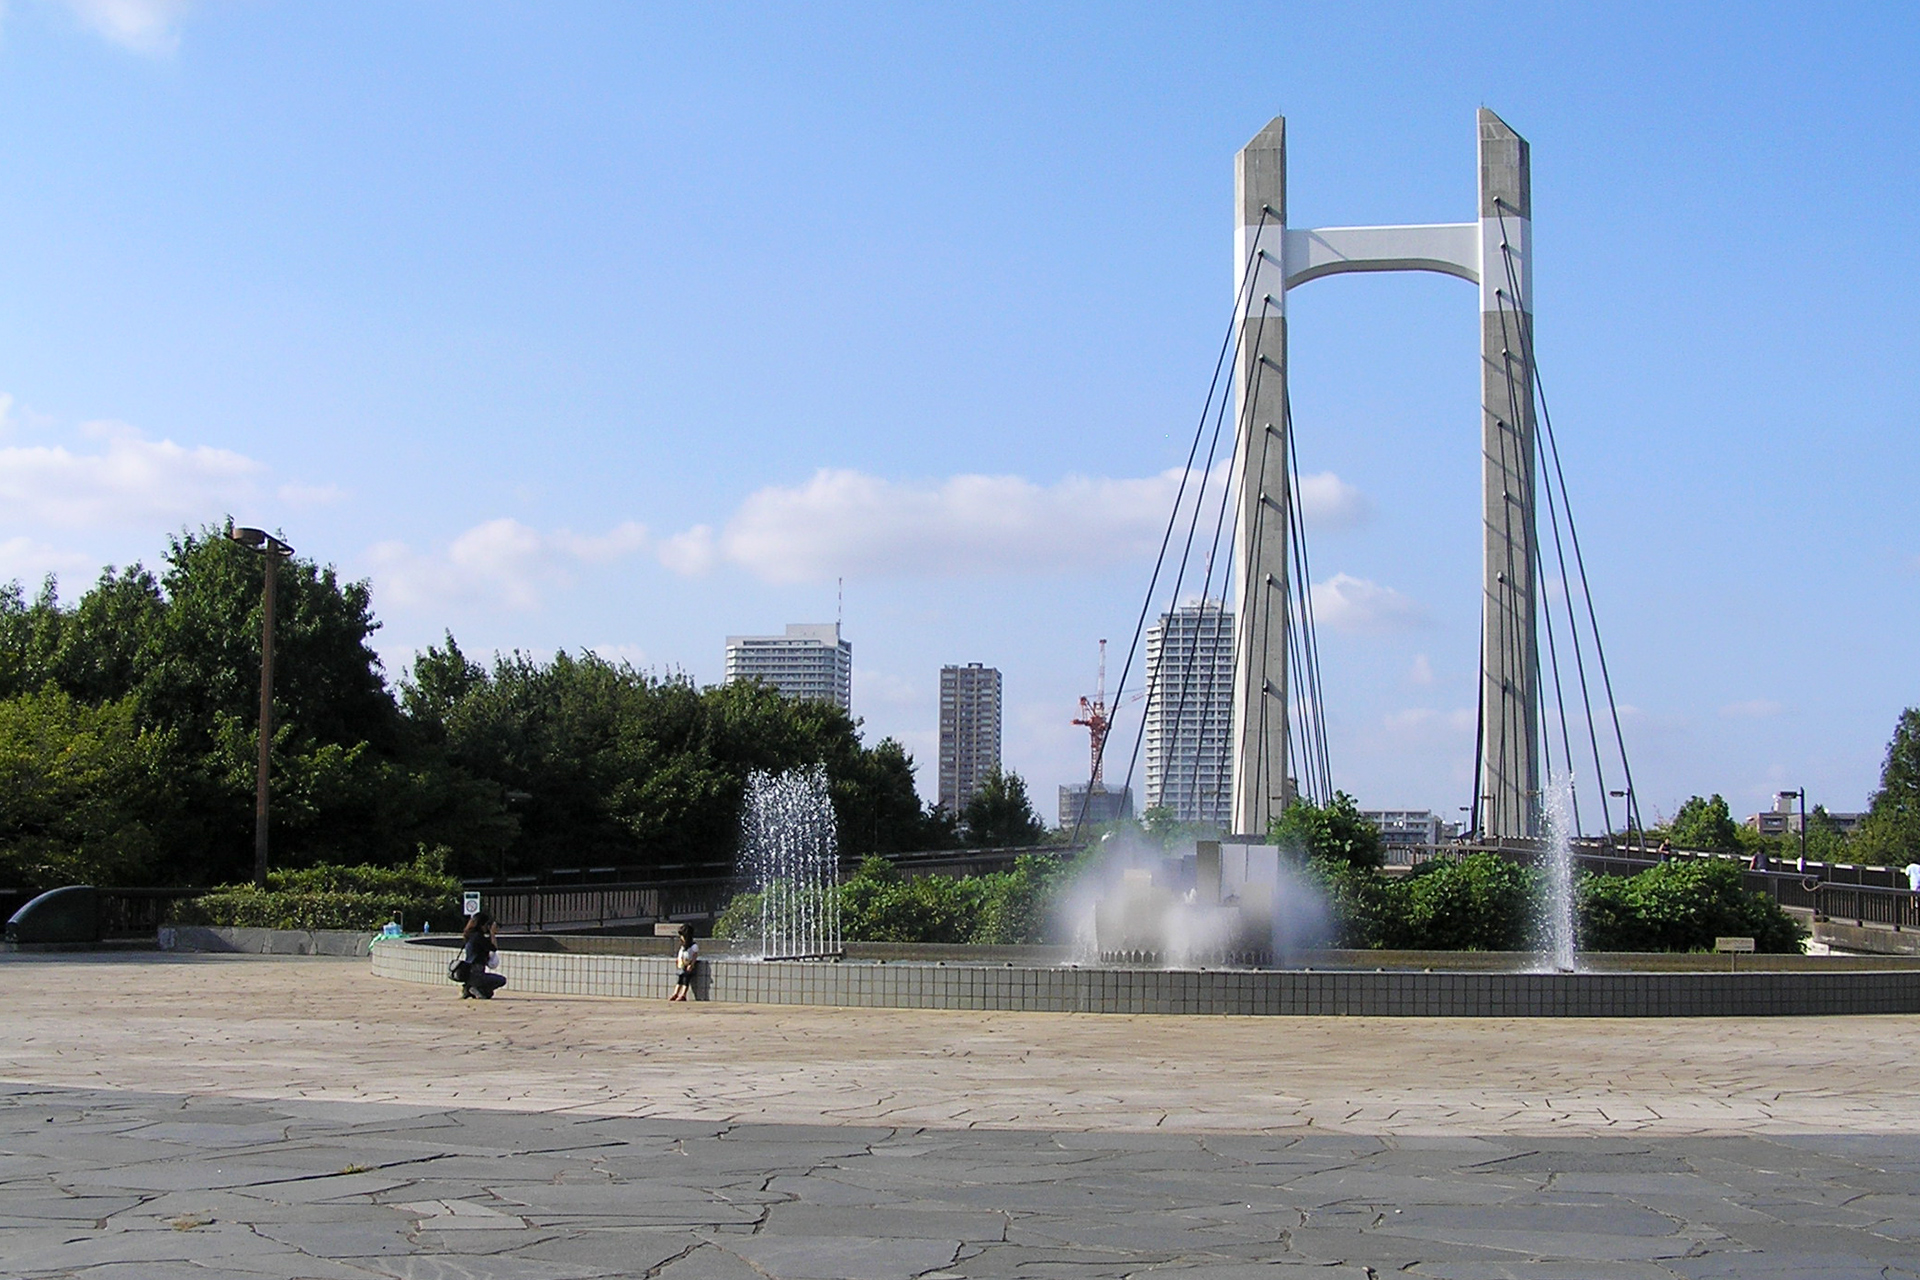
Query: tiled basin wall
1276	992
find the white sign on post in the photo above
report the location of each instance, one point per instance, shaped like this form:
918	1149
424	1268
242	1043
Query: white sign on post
470	903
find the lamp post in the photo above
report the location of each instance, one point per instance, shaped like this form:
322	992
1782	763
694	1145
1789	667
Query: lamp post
275	551
1627	796
1789	795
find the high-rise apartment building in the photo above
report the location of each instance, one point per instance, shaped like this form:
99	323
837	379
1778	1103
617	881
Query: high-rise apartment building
1190	713
969	731
809	661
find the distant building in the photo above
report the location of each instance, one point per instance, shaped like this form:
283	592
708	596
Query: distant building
1102	806
1410	828
1190	712
809	661
1784	818
969	731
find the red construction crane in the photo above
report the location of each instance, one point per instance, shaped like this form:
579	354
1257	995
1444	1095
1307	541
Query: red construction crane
1094	716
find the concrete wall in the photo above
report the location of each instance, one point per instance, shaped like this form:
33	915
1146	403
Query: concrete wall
265	942
1246	992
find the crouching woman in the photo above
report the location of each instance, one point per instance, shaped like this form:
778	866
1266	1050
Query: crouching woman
477	946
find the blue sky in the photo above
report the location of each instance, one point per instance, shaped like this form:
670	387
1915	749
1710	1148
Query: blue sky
628	326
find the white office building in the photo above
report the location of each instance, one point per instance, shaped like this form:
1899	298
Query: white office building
1190	713
969	731
1410	833
809	661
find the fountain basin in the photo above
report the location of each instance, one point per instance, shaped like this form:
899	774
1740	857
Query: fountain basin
1610	985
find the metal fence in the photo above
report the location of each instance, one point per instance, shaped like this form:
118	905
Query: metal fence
1862	904
544	908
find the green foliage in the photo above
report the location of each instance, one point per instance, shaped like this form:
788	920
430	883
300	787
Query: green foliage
878	904
1826	842
1890	835
1682	906
147	770
327	896
1705	824
1481	902
620	767
182	654
739	919
83	788
1333	833
999	815
1017	906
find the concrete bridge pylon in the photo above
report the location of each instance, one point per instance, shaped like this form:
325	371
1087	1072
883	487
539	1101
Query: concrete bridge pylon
1494	252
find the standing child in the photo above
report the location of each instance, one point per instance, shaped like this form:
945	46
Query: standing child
685	960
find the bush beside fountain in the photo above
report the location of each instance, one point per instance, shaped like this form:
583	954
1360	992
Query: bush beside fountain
1334	883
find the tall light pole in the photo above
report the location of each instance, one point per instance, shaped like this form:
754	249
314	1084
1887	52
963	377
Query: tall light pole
275	551
1627	795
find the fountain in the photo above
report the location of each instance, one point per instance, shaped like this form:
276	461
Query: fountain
1556	904
1229	903
790	852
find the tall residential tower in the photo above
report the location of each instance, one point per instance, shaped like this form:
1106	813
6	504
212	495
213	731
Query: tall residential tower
969	731
1190	713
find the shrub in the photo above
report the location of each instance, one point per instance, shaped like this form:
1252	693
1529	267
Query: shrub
1333	833
1016	906
360	898
1360	900
878	904
1481	902
739	919
1682	906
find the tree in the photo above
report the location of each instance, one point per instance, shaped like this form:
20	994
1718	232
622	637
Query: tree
1705	824
1826	842
1335	832
613	766
1890	835
999	815
85	791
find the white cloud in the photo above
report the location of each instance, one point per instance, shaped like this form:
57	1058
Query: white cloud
1425	724
502	561
131	481
303	497
1422	670
27	561
631	654
1347	603
884	687
1328	502
151	27
847	522
1756	709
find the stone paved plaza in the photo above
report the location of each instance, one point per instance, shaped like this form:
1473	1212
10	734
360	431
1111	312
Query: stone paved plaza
246	1117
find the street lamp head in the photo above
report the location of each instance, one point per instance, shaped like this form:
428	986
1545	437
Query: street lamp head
260	540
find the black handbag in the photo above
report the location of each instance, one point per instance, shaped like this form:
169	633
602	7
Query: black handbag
458	969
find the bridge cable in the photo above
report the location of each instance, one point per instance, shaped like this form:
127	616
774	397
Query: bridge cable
1228	344
1553	479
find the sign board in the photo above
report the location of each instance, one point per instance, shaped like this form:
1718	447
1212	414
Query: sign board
470	905
1733	944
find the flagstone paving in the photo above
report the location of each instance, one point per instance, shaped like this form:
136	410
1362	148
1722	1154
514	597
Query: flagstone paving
247	1117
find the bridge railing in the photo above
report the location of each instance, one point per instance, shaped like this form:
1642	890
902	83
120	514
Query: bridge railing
1864	905
543	908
